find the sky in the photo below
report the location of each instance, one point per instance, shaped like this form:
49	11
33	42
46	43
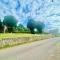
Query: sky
47	11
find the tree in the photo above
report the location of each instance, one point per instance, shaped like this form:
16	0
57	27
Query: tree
35	25
31	25
40	26
10	22
1	27
21	28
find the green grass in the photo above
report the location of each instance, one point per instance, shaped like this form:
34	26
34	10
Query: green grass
13	35
10	35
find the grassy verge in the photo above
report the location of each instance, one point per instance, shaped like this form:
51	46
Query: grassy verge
25	38
10	35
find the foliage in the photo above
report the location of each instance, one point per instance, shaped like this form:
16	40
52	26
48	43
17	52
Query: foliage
40	26
32	24
21	28
10	22
1	26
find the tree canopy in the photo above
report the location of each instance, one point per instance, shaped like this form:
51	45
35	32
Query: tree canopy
10	22
32	24
1	26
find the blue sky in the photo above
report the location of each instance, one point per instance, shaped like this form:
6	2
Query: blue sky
47	11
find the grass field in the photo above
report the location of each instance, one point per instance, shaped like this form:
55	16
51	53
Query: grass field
10	35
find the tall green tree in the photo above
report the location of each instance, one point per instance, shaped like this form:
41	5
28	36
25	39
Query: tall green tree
40	26
32	25
1	26
10	22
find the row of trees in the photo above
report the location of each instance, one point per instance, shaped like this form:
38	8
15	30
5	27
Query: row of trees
9	24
